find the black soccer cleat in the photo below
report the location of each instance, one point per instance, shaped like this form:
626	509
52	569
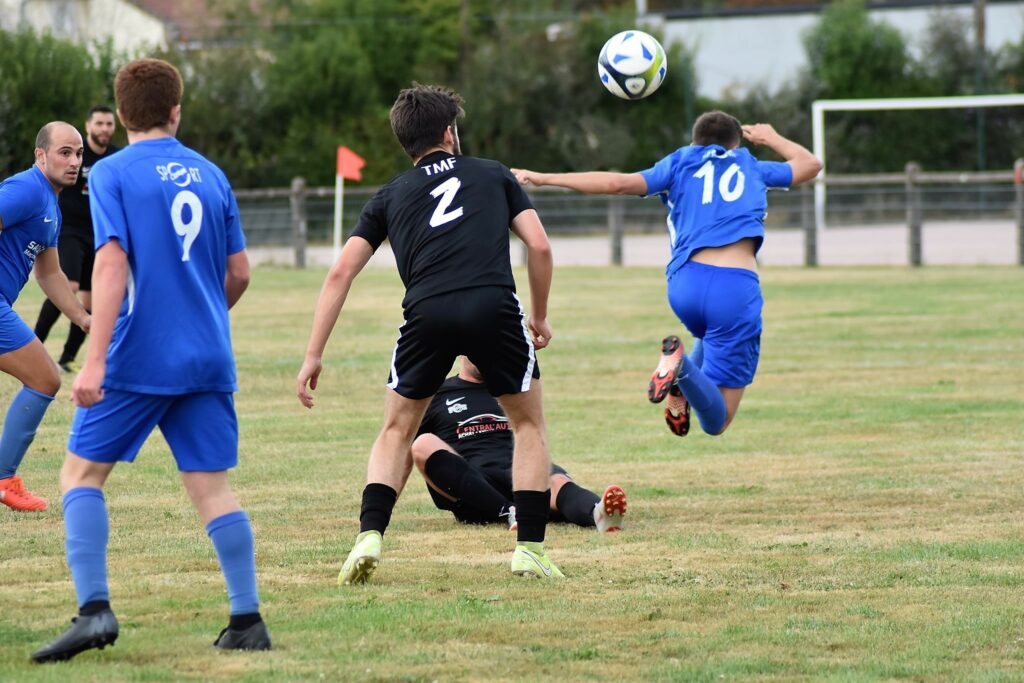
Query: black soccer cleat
85	633
255	637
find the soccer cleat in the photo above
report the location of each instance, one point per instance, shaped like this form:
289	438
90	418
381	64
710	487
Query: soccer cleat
255	637
14	495
66	367
677	413
362	560
667	372
533	564
513	524
85	633
610	510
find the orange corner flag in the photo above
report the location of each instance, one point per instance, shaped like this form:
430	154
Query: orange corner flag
349	164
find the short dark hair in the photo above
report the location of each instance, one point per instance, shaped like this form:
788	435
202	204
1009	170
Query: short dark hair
98	109
421	114
43	136
717	128
146	91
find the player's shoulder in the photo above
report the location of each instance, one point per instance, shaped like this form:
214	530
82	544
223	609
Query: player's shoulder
23	179
28	186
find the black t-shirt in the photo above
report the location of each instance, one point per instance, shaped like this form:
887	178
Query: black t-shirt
74	200
448	221
469	420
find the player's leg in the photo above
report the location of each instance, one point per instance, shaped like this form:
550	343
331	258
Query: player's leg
202	432
472	497
84	258
386	473
23	357
113	430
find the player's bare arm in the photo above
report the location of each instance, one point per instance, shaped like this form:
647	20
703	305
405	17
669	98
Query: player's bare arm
589	182
55	285
109	282
804	164
539	267
236	280
353	258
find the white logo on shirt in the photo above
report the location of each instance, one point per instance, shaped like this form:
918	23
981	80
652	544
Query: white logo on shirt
457	408
178	174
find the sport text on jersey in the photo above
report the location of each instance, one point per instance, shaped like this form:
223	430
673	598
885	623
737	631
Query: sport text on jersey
440	166
34	249
178	174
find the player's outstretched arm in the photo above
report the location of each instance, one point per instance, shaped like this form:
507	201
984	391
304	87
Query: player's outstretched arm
55	285
109	281
353	258
236	280
539	267
589	182
804	164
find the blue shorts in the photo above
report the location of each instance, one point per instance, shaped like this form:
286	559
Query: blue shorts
14	333
200	428
721	306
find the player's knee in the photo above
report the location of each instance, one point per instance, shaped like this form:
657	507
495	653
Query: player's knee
422	448
49	384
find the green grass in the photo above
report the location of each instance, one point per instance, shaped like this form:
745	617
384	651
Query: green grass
859	521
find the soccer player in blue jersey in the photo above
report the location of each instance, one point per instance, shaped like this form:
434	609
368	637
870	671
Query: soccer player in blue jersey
30	223
170	262
715	192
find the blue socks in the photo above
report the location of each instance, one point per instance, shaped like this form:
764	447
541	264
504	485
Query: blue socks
232	539
23	417
87	529
696	354
703	396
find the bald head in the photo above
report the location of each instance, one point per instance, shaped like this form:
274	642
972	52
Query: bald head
46	137
59	153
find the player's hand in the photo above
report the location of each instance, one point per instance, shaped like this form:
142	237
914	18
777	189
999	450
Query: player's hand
85	323
87	389
759	133
526	177
309	374
540	330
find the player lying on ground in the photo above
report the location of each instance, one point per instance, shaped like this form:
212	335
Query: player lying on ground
464	452
448	220
715	192
30	224
160	355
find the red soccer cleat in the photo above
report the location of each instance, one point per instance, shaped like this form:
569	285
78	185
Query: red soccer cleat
608	513
14	495
677	413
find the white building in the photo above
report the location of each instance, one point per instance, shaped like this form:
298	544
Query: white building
131	28
739	50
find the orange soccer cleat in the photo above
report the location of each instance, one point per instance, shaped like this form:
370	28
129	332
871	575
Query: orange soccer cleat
14	495
610	510
665	375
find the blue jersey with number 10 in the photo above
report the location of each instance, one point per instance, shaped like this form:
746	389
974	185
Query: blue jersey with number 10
174	214
714	197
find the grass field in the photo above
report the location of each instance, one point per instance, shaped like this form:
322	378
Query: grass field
861	519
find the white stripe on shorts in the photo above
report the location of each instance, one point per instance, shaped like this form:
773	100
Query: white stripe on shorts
394	354
529	342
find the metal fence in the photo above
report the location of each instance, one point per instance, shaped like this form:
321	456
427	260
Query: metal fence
301	215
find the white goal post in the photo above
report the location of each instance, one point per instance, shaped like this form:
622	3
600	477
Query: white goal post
819	107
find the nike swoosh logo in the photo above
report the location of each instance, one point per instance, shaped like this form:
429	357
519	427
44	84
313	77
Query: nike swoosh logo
47	220
454	400
546	570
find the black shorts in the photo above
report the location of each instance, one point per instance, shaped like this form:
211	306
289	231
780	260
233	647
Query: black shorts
497	475
486	324
76	257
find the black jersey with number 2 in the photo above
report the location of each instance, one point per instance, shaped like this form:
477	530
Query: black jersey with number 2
448	221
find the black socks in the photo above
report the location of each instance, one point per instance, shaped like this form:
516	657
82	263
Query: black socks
378	502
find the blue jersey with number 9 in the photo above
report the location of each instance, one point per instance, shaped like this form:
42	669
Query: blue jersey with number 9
714	197
174	214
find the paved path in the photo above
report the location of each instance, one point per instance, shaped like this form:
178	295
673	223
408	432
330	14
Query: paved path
976	243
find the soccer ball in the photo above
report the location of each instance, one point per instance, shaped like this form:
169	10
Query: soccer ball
632	65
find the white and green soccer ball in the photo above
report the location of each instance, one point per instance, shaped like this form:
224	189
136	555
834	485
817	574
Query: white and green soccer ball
632	65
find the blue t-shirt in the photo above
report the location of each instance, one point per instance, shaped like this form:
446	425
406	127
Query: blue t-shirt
31	218
174	214
714	197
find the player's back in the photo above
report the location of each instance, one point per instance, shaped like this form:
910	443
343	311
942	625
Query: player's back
175	215
448	221
715	196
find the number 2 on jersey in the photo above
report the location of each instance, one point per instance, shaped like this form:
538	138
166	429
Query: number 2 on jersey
188	230
446	191
729	194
